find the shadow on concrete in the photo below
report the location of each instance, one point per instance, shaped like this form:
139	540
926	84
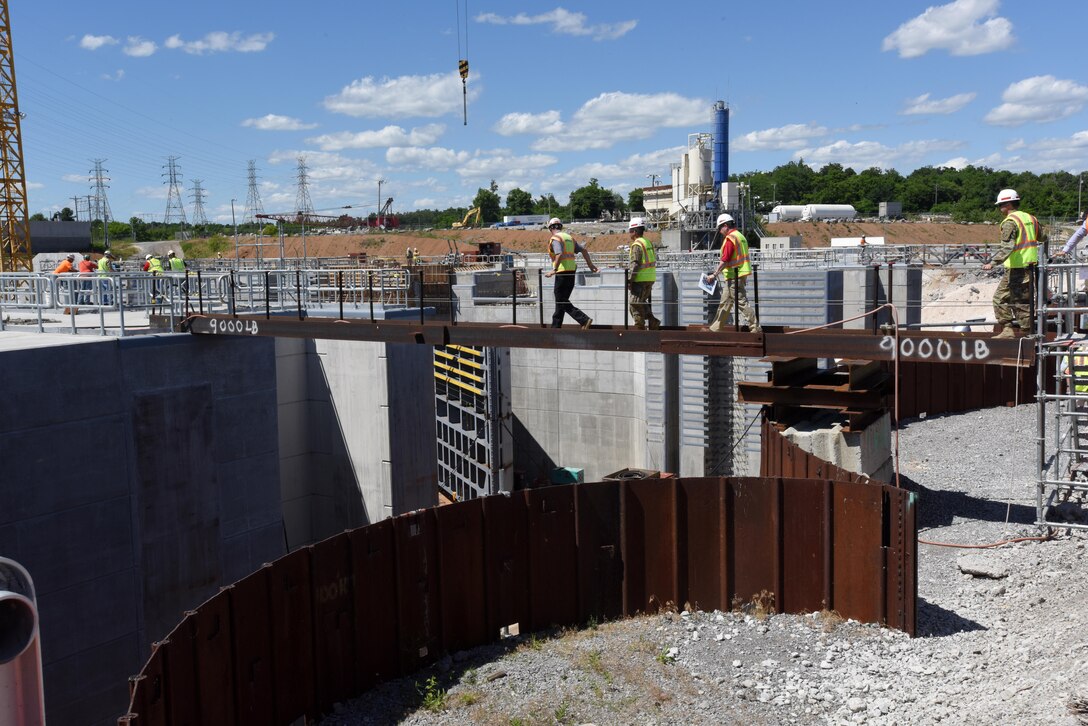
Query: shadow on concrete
937	508
935	621
531	462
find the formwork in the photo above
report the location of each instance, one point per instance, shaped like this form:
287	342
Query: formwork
328	621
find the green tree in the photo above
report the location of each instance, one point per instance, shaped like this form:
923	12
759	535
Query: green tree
64	215
635	200
488	202
37	217
519	202
590	201
548	205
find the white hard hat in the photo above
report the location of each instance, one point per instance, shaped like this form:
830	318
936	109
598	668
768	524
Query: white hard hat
170	252
555	221
637	222
1007	195
724	219
147	257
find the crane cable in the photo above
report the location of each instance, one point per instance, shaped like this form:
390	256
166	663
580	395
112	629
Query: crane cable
462	62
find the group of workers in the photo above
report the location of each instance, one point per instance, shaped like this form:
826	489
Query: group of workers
733	268
106	264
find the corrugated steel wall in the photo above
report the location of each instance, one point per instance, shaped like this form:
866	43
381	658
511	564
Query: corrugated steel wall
327	621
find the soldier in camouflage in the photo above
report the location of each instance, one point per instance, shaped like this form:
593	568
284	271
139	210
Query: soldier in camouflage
1018	251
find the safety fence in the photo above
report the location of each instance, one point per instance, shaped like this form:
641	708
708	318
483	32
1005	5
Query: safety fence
330	620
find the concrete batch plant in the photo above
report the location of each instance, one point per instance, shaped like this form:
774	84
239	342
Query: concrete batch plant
196	459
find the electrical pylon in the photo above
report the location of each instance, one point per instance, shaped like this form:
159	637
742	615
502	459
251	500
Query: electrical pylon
15	253
199	218
303	205
175	209
253	196
98	205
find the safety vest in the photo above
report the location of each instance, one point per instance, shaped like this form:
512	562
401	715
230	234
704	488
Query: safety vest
154	266
177	264
737	265
646	270
104	266
1080	373
1026	250
567	261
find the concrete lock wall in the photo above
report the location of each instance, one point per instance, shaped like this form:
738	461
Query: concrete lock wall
139	476
357	438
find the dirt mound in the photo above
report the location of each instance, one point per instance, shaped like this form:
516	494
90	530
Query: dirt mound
819	234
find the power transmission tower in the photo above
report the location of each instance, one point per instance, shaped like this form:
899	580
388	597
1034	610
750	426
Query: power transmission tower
175	209
99	205
253	197
199	218
15	254
303	205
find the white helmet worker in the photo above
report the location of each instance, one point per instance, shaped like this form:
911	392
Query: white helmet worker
1006	195
724	219
170	253
636	223
147	257
555	222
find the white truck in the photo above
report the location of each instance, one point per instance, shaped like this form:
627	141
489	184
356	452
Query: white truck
525	220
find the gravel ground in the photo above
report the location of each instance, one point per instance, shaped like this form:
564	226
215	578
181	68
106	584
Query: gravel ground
1008	644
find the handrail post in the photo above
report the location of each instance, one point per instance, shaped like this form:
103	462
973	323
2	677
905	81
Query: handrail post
267	295
514	297
298	291
370	291
453	307
340	290
540	293
233	309
626	297
420	298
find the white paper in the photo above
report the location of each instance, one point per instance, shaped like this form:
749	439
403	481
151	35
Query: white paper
708	284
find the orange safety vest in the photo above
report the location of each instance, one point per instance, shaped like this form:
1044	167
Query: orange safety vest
738	264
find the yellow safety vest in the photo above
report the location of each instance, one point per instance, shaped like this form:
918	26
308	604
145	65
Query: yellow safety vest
738	265
104	266
176	264
646	270
1080	373
154	266
567	261
1026	250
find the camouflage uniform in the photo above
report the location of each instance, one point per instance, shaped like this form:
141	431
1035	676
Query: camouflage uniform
641	308
1015	292
724	316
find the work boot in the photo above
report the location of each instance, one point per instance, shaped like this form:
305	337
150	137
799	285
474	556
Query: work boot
1006	334
757	328
587	323
655	324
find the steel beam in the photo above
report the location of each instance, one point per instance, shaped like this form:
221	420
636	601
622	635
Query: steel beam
923	347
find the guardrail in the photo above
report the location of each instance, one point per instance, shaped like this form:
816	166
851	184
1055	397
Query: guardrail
330	620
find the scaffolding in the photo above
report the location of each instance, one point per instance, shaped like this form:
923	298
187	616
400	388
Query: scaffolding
1062	382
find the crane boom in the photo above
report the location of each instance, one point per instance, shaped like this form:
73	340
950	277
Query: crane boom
15	254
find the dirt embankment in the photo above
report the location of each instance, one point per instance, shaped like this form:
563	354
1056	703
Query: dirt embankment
606	238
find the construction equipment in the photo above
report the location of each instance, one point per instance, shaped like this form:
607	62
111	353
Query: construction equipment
15	254
472	219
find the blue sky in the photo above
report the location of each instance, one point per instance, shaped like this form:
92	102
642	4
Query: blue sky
557	94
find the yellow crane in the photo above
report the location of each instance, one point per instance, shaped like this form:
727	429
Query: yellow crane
15	254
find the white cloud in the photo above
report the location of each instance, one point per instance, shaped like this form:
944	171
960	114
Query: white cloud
221	42
613	117
1039	99
435	158
957	163
323	166
137	47
564	22
438	94
94	42
276	122
867	154
76	178
116	76
529	123
628	173
963	27
491	164
791	136
382	138
925	105
36	186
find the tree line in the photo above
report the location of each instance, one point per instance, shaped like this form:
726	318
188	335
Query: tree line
965	194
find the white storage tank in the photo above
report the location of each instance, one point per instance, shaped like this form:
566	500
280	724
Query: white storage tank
699	157
788	212
828	211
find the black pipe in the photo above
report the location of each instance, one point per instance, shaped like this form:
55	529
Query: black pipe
626	296
514	279
874	284
370	292
755	290
233	309
267	295
736	304
340	290
449	281
421	316
540	293
891	286
200	292
298	291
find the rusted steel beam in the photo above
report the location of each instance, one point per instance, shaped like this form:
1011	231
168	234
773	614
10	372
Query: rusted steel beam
837	397
934	347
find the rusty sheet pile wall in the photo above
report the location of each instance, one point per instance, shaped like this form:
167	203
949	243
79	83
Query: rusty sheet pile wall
328	621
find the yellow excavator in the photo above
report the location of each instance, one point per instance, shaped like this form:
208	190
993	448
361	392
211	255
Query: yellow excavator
472	219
